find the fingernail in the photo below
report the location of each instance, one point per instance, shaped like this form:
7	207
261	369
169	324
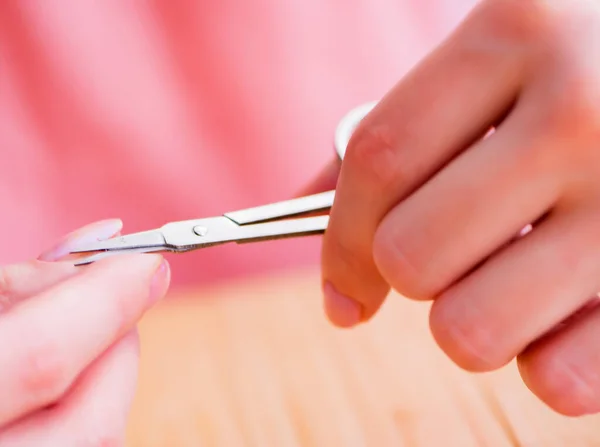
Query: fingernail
342	311
97	231
160	281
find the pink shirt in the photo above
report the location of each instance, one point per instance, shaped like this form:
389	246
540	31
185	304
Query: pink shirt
167	110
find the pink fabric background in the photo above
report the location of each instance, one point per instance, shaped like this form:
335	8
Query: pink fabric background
154	111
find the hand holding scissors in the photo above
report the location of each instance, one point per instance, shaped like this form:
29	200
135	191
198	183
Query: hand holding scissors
501	230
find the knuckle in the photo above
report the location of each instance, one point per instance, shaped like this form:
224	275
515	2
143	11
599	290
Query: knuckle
43	371
567	122
402	268
575	107
532	23
372	150
469	342
543	26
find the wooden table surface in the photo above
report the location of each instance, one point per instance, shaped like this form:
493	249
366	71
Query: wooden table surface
256	364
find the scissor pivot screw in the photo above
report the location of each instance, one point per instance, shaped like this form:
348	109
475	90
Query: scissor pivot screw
200	230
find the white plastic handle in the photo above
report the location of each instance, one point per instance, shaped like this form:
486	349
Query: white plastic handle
348	124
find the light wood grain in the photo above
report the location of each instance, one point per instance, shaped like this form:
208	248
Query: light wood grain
257	364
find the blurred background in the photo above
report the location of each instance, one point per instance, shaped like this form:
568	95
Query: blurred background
153	111
160	110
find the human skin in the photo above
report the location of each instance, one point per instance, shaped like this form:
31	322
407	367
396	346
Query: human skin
70	346
427	206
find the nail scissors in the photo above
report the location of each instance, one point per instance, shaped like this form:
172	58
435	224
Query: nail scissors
273	221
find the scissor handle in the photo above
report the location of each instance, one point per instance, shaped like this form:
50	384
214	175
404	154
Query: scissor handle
348	124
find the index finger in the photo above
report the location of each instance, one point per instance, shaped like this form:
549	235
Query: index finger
446	103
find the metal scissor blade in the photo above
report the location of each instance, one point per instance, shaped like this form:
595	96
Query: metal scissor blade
105	254
194	234
152	239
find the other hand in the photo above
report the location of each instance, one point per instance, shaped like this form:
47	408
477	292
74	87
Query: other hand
69	352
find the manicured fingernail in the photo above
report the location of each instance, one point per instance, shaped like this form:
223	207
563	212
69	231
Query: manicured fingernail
160	281
97	231
341	310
